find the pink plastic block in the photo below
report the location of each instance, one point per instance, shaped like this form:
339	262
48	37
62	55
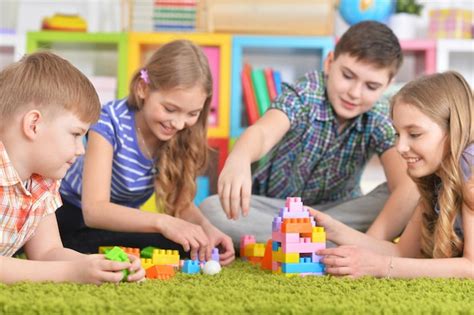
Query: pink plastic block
287	213
302	247
286	237
294	204
244	241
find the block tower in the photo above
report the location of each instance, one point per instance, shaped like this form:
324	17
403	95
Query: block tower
295	241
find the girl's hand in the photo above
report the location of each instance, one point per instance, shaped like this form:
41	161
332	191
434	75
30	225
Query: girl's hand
97	269
468	192
223	242
189	235
354	262
137	273
324	220
235	187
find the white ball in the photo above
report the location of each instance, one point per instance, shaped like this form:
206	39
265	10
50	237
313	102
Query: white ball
211	267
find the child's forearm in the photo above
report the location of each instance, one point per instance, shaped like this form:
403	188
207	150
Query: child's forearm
194	215
14	270
346	235
396	213
250	146
399	267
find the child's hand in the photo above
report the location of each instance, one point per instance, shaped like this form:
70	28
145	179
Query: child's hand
190	236
224	242
96	269
235	187
324	220
137	273
354	262
468	192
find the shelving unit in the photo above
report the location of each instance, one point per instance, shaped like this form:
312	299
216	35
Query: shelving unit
9	51
278	52
218	50
74	45
456	54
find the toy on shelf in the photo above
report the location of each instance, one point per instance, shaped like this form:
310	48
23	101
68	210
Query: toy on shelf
64	22
450	23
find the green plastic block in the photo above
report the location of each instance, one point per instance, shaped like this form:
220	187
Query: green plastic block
117	254
147	252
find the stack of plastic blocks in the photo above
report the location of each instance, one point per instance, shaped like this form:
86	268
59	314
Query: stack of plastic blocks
295	241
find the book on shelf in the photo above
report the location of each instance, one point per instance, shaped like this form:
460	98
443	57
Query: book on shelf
260	87
249	95
270	83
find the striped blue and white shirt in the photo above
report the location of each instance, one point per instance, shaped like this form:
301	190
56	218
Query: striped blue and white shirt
132	178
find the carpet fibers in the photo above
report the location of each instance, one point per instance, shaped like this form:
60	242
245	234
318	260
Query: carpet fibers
243	288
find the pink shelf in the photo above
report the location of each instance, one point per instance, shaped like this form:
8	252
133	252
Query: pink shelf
425	52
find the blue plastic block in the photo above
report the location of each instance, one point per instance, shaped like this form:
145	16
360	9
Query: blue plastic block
191	266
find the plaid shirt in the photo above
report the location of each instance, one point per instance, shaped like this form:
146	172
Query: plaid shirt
313	160
21	210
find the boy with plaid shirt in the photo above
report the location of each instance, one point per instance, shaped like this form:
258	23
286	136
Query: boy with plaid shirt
320	133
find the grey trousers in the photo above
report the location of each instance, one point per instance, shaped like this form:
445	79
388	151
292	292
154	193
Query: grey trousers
358	213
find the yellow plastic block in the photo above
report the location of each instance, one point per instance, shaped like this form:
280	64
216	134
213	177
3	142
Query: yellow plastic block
165	257
255	250
281	257
146	263
318	235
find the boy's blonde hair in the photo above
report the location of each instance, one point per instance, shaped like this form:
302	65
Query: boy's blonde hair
447	99
179	64
47	82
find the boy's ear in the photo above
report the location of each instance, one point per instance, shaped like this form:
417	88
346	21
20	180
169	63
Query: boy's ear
328	61
31	123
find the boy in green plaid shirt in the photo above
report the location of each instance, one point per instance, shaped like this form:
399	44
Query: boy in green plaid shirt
319	134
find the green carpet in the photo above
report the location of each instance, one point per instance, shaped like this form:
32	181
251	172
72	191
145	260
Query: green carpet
243	288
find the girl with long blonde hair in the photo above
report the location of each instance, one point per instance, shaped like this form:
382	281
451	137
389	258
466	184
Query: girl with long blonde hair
153	141
434	119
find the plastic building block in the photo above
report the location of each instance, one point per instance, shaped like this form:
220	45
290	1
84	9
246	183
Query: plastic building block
104	249
166	257
147	252
318	235
267	257
244	241
131	251
297	225
191	266
117	254
146	263
255	250
161	272
302	267
215	254
294	204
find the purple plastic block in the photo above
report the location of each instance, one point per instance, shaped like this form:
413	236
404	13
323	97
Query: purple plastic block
276	225
316	258
215	254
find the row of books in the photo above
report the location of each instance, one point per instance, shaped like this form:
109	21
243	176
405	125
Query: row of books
164	15
260	87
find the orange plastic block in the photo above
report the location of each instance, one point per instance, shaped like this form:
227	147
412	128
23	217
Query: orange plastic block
267	257
296	225
161	272
132	251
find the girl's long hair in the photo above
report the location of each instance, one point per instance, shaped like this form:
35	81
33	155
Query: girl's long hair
446	98
179	64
